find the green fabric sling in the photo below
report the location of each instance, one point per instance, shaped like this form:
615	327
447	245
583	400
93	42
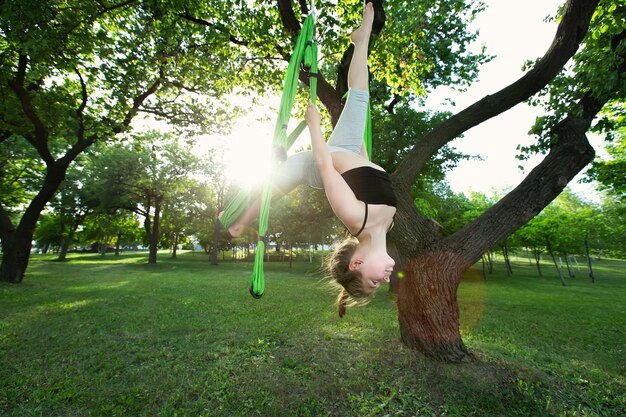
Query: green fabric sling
305	54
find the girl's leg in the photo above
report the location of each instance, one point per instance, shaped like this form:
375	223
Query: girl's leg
357	73
347	135
298	169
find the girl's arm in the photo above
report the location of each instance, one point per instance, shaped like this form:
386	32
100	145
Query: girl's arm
341	198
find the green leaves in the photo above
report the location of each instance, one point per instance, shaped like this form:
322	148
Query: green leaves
596	68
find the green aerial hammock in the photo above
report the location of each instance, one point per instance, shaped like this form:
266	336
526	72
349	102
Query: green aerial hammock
305	54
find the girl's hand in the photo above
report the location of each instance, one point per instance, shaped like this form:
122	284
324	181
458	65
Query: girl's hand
312	115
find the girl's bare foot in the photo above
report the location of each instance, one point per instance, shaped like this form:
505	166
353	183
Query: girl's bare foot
363	32
236	229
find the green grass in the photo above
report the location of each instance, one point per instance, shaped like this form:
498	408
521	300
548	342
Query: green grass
109	336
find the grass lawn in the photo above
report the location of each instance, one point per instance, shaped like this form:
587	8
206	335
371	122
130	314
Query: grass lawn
113	336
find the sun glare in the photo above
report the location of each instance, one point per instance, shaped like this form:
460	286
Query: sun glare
249	145
249	158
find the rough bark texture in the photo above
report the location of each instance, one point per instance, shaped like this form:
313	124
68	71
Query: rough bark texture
217	228
17	241
432	324
153	231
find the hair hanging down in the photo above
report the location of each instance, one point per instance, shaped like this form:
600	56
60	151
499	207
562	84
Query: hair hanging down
348	281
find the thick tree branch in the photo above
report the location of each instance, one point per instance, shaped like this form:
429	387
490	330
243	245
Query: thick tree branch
80	134
570	32
288	17
40	138
326	93
567	157
392	104
84	143
138	101
219	27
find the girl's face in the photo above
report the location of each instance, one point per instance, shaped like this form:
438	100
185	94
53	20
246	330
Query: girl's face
375	270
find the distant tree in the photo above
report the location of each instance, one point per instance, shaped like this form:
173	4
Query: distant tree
530	237
610	173
213	167
302	218
562	229
606	228
104	229
143	176
180	212
72	203
48	232
75	73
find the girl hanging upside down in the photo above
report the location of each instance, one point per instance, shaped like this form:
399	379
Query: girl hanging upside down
359	191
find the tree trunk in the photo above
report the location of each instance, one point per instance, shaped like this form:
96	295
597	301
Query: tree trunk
15	256
117	244
593	278
17	241
65	245
556	265
153	235
217	226
507	261
482	258
103	248
537	255
427	306
570	268
175	246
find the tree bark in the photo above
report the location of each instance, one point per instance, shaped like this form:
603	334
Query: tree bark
556	265
570	268
432	324
484	267
65	245
17	241
507	260
593	278
175	246
154	233
217	226
537	255
117	244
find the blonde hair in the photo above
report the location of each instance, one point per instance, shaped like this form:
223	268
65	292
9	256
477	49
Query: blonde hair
346	280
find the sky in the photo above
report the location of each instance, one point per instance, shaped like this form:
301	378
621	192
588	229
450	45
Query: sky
514	32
